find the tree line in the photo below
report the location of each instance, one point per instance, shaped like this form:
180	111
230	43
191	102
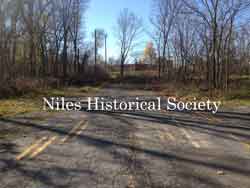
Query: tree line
205	37
40	37
204	40
191	39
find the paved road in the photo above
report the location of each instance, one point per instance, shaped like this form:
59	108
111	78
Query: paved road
127	150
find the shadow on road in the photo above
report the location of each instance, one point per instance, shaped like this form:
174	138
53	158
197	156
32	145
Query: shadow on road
104	143
216	129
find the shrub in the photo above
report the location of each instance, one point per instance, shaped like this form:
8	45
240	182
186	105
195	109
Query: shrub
92	75
23	86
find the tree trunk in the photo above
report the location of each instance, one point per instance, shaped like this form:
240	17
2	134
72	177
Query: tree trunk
159	67
65	55
122	66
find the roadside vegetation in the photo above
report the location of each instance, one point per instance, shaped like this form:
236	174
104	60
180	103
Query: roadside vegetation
237	95
195	48
32	101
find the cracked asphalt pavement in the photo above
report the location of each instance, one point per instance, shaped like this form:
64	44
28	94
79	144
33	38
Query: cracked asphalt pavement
127	149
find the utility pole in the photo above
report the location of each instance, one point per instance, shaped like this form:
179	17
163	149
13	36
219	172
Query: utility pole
106	36
95	50
78	60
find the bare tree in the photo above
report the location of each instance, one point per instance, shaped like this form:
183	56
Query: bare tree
128	29
44	13
163	18
79	6
56	31
66	12
39	35
185	43
218	17
29	19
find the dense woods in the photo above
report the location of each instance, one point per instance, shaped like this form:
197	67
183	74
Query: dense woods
40	37
206	41
202	38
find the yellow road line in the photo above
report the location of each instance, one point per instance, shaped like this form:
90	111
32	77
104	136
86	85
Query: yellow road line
84	126
72	131
209	117
235	138
161	136
164	135
247	145
202	115
244	143
30	148
195	144
131	182
43	147
169	135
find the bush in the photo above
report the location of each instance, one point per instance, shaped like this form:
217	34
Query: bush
91	76
23	86
136	79
17	87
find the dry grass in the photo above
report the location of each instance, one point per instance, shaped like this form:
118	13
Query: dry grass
32	102
234	97
12	107
70	91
